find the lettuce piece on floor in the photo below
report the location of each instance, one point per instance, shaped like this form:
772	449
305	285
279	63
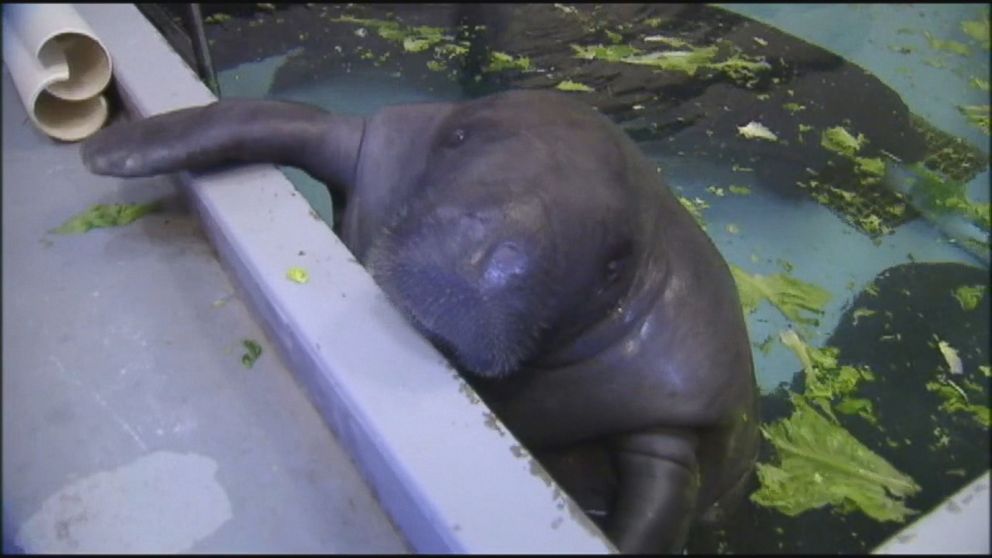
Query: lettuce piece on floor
101	216
254	351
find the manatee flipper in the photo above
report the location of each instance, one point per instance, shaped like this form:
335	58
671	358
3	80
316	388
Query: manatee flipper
231	131
656	497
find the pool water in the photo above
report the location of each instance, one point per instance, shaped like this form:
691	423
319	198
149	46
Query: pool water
904	277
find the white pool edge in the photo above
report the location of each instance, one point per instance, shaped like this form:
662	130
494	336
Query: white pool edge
959	525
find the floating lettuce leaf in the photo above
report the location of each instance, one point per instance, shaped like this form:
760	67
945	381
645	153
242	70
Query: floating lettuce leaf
611	53
568	85
790	295
756	130
695	208
254	351
978	30
793	108
946	196
839	140
216	18
951	357
686	59
670	41
821	464
977	115
826	381
413	38
955	400
870	169
969	296
499	61
101	216
949	45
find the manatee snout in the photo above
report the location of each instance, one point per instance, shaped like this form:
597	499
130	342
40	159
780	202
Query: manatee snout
470	281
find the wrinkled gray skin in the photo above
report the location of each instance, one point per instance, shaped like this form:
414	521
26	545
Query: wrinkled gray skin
532	242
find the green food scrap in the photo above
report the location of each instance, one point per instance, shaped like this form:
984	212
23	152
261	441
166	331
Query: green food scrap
872	224
695	208
413	38
755	130
861	313
871	170
739	190
951	357
568	85
979	83
298	275
827	382
978	30
791	296
985	370
101	216
955	400
716	191
839	140
500	61
686	61
977	115
766	346
266	6
254	351
946	196
742	69
613	37
416	44
670	41
612	53
451	50
821	464
793	108
948	45
969	296
216	18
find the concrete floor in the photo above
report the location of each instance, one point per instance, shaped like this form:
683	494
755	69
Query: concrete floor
130	423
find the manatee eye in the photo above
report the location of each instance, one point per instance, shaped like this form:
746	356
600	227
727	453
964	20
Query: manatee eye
456	138
616	264
613	271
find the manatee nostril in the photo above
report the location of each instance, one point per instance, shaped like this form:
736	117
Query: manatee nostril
505	261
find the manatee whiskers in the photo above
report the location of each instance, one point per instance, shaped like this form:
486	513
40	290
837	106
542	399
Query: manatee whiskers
490	341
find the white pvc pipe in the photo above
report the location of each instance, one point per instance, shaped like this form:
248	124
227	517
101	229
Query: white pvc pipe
59	66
